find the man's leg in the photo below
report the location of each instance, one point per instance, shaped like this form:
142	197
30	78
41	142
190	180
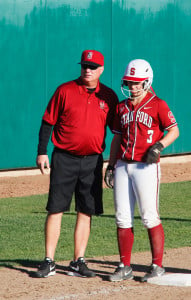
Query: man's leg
63	178
88	195
81	234
78	266
52	233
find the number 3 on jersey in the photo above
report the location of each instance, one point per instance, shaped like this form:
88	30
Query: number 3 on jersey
150	134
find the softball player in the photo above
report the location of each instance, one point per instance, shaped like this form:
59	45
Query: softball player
139	127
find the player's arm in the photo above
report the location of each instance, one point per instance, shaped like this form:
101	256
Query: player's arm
170	137
109	173
42	160
155	150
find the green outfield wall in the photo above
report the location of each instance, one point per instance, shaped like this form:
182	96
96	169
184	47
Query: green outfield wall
41	43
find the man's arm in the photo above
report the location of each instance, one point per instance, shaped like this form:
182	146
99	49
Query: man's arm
44	136
115	145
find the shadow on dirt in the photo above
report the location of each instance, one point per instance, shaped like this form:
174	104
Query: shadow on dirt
27	266
103	268
136	268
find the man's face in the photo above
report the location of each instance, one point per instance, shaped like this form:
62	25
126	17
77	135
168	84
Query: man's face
90	73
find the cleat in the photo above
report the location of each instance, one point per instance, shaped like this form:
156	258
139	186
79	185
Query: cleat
121	273
46	269
79	268
155	271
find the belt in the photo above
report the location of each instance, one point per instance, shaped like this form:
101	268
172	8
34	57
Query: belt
71	154
129	161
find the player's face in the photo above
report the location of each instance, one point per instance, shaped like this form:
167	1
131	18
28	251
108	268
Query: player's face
90	74
136	88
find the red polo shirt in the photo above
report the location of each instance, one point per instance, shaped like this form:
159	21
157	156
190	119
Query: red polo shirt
80	117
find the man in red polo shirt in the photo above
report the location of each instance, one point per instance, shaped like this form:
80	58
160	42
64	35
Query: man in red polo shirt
79	112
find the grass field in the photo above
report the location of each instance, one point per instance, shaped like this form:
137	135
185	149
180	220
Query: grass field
22	224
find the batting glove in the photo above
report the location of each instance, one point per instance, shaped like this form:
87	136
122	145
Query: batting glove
154	153
109	176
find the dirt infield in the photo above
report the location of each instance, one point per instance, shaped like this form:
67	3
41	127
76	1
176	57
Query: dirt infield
18	282
33	185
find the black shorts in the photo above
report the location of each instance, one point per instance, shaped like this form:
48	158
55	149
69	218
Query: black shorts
81	175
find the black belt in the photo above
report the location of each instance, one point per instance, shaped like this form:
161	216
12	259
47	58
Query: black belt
71	154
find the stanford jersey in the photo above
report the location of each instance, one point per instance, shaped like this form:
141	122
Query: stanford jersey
141	126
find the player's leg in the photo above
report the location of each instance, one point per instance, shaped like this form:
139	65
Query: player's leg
146	181
124	205
156	238
124	200
88	196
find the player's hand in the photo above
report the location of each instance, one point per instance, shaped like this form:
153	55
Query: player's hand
154	153
109	176
42	161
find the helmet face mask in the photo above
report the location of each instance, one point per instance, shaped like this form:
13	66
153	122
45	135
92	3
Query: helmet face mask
137	70
130	93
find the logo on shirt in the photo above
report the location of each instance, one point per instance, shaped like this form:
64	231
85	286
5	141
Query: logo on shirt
171	117
140	117
121	109
102	104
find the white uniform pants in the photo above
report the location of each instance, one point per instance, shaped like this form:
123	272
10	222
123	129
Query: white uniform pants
136	182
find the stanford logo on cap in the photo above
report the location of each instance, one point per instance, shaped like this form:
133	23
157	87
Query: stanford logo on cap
89	55
92	57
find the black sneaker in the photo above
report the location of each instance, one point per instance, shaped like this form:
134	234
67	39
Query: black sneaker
155	271
79	268
46	269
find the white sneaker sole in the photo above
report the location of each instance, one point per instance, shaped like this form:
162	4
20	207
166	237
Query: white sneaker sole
73	273
50	274
121	279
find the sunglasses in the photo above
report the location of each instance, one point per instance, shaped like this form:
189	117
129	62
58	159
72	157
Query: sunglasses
85	67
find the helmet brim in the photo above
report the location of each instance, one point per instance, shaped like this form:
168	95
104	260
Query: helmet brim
136	79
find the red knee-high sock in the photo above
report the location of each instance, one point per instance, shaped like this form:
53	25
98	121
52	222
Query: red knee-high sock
156	237
125	243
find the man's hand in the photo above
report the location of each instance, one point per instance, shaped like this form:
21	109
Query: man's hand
42	161
109	176
154	153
